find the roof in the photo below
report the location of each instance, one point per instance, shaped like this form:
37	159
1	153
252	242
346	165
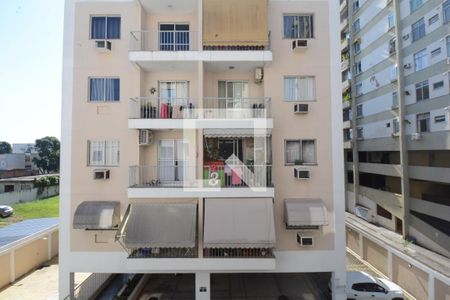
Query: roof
26	178
20	230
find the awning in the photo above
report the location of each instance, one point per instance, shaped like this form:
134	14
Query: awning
239	223
305	212
97	215
236	132
159	225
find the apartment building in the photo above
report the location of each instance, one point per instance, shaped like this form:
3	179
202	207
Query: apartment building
202	137
395	74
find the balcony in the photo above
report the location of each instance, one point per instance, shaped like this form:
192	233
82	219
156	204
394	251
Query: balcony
215	112
182	181
345	85
345	64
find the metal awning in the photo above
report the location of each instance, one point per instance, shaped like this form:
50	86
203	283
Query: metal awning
97	215
236	132
305	212
239	223
159	225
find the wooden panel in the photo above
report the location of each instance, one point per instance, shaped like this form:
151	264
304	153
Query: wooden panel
235	22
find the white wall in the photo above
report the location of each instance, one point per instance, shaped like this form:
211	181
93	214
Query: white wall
376	81
377	105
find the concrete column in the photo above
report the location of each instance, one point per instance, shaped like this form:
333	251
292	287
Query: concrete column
338	286
389	264
431	287
71	285
202	286
12	266
361	245
49	246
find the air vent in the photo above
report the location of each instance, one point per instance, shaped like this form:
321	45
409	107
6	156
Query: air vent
300	173
101	174
301	108
299	45
304	240
103	46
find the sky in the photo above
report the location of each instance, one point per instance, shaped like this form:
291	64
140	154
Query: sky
30	69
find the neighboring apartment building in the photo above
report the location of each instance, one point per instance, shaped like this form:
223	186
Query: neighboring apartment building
30	151
202	137
395	73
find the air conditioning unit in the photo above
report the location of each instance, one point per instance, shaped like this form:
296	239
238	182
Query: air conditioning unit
406	36
145	137
301	108
416	136
299	45
300	173
259	75
407	66
362	212
304	240
103	46
100	174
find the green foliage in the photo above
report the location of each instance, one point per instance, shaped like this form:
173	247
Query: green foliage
48	151
5	147
43	182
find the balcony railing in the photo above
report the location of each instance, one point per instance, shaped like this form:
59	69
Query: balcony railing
159	40
213	108
215	176
238	253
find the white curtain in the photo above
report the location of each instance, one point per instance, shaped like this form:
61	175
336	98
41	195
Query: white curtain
306	87
112	153
290	89
96	153
292	151
308	152
97	89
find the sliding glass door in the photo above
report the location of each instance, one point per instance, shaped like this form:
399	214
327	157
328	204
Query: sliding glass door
172	156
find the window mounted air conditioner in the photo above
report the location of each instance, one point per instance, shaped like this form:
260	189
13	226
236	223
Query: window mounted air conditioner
362	212
304	240
406	36
259	75
416	136
101	174
301	108
299	45
145	137
103	46
300	173
407	66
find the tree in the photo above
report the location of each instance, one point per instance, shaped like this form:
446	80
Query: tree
5	147
48	154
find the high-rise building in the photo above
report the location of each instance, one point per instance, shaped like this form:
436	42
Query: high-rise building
202	137
395	73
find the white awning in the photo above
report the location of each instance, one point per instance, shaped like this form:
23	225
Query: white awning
239	223
305	212
97	215
157	225
236	132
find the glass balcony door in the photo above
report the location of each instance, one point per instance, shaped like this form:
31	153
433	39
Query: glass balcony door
172	156
174	37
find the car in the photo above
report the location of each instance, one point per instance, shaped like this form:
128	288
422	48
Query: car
361	285
6	211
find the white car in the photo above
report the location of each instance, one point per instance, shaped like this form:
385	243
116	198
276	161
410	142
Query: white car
361	285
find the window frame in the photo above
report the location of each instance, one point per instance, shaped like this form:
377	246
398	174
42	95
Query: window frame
300	141
417	28
420	117
104	151
313	22
422	85
422	57
104	89
298	78
438	85
106	26
415	8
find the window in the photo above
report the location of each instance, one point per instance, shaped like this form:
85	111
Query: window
358	68
359	89
422	91
359	110
436	52
355	5
420	60
357	47
433	19
104	89
414	5
418	30
360	133
356	26
439	119
448	46
299	88
360	287
395	126
105	28
383	213
394	73
298	27
299	152
423	122
174	37
394	99
392	46
391	21
438	85
446	11
103	153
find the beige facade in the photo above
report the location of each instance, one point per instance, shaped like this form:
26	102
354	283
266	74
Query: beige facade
201	75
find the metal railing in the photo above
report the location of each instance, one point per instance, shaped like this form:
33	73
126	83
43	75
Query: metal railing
163	40
186	108
89	287
238	252
181	175
164	253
